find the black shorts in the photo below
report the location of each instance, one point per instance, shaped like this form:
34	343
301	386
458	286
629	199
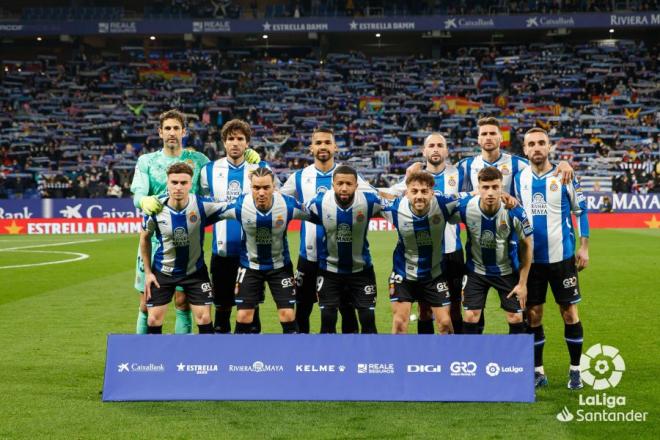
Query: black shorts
563	280
454	269
476	291
434	292
306	273
357	289
196	286
223	274
250	287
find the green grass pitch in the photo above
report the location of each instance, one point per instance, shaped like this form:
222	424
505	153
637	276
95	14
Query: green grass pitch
54	319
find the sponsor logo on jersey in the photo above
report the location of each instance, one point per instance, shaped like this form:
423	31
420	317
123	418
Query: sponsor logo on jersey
344	233
539	205
233	190
487	240
264	236
423	238
180	237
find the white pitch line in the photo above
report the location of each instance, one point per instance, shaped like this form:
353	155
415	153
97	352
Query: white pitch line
49	244
79	256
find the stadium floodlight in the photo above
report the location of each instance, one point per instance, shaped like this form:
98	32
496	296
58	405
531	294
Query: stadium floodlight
611	31
152	38
378	35
264	36
39	38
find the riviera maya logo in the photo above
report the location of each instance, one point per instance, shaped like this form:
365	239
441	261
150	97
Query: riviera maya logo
602	367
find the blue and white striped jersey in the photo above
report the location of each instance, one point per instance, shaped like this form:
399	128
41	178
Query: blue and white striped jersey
549	205
418	253
492	244
180	234
264	245
448	182
225	181
508	164
344	248
305	185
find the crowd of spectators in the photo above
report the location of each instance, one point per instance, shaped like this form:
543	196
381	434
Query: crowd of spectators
76	128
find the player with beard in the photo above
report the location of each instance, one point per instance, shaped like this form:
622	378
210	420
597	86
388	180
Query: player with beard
305	185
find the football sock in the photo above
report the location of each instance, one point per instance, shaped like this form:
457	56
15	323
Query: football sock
222	321
517	328
539	343
242	328
303	311
183	322
289	327
470	328
458	326
141	327
329	320
155	330
367	320
573	334
256	321
425	327
205	328
482	322
349	322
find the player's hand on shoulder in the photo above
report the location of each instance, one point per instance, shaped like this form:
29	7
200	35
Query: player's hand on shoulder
566	171
417	166
509	201
251	156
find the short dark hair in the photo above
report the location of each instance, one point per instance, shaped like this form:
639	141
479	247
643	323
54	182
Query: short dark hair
180	168
488	120
236	125
422	177
327	130
172	114
262	172
489	174
344	169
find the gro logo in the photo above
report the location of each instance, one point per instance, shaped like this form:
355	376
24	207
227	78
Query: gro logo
460	368
288	282
370	289
602	367
569	282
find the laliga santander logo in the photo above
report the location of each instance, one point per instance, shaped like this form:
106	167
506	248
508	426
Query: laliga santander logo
602	367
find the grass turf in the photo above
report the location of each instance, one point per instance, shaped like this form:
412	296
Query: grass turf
54	320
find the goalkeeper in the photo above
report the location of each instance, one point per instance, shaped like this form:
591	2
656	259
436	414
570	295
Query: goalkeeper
150	180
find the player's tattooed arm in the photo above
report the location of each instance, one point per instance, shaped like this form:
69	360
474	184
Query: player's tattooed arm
145	252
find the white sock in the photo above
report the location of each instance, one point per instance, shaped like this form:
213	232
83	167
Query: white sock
539	370
574	368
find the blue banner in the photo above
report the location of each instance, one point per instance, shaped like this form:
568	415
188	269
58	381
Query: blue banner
331	24
67	208
485	368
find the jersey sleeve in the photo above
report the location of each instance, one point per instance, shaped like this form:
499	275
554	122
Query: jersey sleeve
398	189
521	222
213	210
363	185
448	204
205	176
457	213
376	203
390	210
289	187
579	207
148	224
140	183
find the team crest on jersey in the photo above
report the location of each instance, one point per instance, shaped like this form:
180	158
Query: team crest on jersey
279	221
192	217
505	170
554	186
487	240
436	219
321	190
233	190
451	181
180	237
503	226
360	216
344	233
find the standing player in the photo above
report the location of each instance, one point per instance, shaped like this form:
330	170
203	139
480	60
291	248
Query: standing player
448	181
345	268
305	185
420	219
227	179
497	237
179	257
264	216
150	180
549	204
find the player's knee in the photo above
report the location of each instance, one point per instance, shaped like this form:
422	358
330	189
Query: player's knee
535	315
400	324
154	321
245	316
569	313
180	301
514	318
472	315
286	315
444	324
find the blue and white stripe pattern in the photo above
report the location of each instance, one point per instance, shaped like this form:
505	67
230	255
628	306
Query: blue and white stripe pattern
549	205
345	248
418	252
180	235
492	247
448	182
305	185
508	164
264	245
225	181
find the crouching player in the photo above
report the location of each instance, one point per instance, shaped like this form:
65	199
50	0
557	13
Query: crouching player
420	219
499	252
179	258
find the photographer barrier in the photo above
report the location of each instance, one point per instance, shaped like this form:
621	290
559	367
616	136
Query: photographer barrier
485	368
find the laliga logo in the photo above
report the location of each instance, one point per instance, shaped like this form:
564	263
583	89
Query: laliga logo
602	367
492	369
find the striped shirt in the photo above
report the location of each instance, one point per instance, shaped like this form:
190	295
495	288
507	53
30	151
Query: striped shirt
508	164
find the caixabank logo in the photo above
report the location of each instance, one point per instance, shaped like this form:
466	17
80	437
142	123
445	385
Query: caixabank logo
602	367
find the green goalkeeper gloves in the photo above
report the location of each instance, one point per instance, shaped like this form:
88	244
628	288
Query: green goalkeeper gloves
252	156
150	205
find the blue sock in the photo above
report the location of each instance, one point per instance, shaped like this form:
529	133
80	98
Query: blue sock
141	327
183	323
